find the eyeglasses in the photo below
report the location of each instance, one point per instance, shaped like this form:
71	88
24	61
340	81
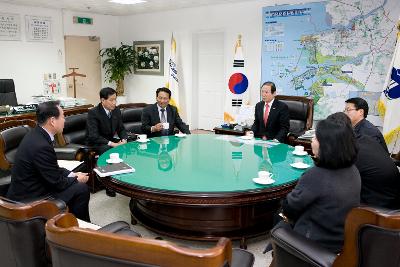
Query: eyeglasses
349	109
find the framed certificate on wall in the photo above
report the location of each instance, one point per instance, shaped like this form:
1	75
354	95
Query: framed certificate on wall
10	27
38	29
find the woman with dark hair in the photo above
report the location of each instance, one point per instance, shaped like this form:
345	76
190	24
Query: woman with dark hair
323	196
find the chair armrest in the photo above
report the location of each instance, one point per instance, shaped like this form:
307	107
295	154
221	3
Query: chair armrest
242	258
73	152
301	248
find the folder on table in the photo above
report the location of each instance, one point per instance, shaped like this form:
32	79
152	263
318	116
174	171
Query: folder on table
113	169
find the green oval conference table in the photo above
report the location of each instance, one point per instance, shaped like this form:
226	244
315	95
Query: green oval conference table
201	187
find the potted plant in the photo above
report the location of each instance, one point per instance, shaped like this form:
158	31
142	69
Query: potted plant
118	62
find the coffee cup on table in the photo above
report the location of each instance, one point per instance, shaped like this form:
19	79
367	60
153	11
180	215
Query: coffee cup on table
142	137
165	125
114	156
265	175
299	149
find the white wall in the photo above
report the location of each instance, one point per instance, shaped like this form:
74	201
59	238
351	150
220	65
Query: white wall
104	26
26	62
233	19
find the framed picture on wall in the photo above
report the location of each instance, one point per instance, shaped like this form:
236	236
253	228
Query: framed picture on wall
149	57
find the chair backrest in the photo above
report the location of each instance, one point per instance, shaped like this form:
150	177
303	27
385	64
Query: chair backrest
301	113
132	116
75	129
372	238
73	246
22	232
7	92
11	134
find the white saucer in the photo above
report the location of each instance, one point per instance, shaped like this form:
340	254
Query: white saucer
180	135
114	161
143	141
263	181
303	153
300	165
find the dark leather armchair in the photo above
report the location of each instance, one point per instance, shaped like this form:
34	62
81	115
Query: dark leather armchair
301	113
71	145
7	92
132	116
11	134
372	238
22	232
71	246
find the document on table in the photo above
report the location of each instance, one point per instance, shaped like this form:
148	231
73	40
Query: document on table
69	164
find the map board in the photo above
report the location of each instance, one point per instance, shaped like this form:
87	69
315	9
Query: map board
330	50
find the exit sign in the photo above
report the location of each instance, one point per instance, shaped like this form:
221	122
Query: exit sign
83	20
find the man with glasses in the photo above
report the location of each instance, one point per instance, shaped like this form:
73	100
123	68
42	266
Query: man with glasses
357	110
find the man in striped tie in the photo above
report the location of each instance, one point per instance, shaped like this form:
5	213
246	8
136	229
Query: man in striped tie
271	118
161	118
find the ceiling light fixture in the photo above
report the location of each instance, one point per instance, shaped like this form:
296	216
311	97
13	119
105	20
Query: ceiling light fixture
127	2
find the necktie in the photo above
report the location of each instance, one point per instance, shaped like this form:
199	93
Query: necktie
163	120
266	113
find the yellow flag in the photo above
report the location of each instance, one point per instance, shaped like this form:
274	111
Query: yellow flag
172	83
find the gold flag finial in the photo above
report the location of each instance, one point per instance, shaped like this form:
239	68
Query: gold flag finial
238	42
398	30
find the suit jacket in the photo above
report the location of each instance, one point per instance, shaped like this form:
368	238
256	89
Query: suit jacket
320	202
101	129
36	172
278	121
151	117
380	178
366	128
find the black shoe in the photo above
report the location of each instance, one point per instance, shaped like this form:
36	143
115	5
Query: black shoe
110	193
267	248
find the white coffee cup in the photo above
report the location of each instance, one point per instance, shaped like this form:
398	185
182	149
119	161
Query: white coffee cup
165	125
264	175
299	149
114	156
142	137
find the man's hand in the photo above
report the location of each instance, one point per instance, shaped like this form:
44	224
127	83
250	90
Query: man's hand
114	144
158	127
82	177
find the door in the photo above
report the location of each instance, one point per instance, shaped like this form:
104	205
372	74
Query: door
82	52
210	79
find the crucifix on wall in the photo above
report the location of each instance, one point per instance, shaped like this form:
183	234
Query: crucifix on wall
74	74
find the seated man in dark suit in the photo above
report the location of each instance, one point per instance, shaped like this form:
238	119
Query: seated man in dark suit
104	124
161	118
357	110
36	173
380	178
271	116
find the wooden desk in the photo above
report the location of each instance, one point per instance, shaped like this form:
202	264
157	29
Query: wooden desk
32	115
